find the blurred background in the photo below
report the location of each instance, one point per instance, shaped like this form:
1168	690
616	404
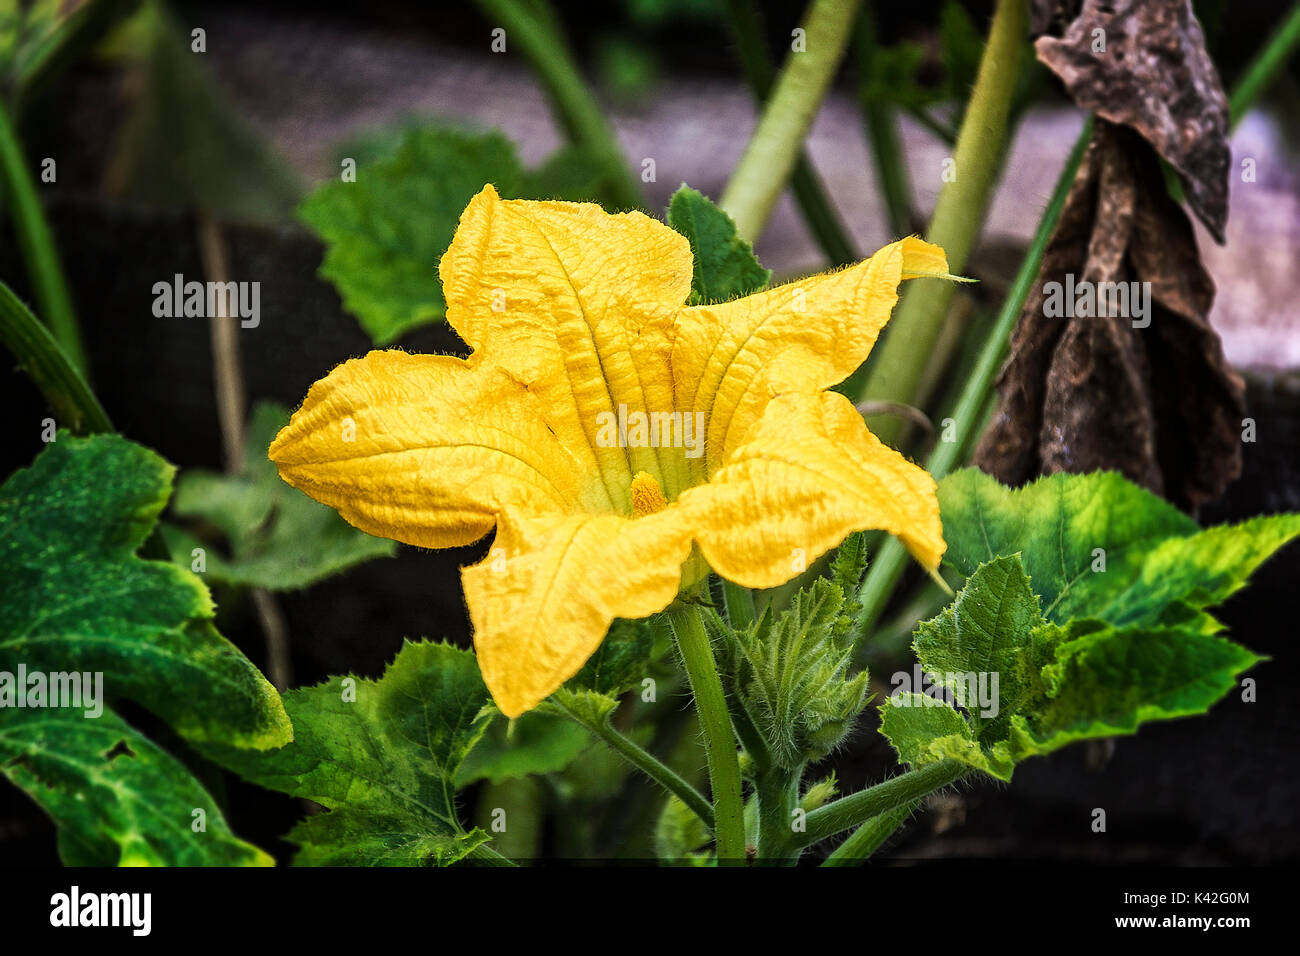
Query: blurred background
153	139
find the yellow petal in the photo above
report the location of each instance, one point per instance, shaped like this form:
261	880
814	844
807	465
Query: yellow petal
578	305
731	359
809	473
548	591
427	449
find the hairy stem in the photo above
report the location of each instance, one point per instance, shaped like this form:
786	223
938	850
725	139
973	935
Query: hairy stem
760	73
775	145
777	796
646	762
534	27
896	370
968	416
719	738
37	245
866	839
860	807
880	120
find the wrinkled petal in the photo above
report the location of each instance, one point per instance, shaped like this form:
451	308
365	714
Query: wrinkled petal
731	359
579	306
807	474
548	591
426	449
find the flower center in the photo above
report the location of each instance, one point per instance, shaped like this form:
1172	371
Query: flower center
647	496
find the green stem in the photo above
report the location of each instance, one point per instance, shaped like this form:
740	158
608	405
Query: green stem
534	28
774	147
740	605
777	793
859	807
896	370
37	245
968	415
880	120
866	839
646	762
719	738
1266	65
760	73
50	367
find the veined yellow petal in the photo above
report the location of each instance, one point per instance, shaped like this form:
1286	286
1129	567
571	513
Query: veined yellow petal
578	305
427	449
731	359
544	597
807	474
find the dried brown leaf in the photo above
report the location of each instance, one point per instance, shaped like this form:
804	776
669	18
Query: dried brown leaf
1157	403
1155	76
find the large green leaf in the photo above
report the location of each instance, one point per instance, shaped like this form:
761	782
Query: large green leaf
725	266
1160	568
385	232
75	595
383	756
279	538
117	798
1056	683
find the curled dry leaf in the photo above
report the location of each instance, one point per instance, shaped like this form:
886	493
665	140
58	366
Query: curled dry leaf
1143	64
1156	402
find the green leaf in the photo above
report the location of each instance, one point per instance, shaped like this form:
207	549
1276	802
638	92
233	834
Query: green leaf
1160	568
385	754
534	743
75	593
1055	684
725	266
385	232
117	798
279	538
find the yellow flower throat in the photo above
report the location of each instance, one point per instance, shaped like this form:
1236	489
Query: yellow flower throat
647	497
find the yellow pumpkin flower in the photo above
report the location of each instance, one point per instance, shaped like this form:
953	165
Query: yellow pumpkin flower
605	430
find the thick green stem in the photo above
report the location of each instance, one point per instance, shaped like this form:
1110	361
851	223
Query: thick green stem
719	738
776	142
968	415
534	28
860	807
760	73
777	797
50	367
880	120
37	245
866	839
1266	65
896	370
647	763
